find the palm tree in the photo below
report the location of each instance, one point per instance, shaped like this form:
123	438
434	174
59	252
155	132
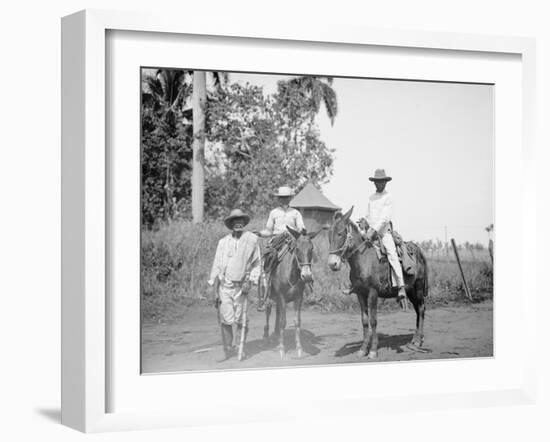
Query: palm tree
197	178
169	87
316	90
199	129
168	90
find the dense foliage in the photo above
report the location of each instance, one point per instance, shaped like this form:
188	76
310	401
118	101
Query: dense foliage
166	150
263	143
254	143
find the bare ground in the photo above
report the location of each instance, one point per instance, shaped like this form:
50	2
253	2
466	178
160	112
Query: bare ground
193	342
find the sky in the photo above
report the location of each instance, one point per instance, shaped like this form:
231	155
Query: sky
435	140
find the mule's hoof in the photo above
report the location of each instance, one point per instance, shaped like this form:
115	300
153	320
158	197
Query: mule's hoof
361	354
372	355
299	353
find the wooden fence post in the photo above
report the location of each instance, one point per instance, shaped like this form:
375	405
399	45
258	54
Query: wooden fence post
461	271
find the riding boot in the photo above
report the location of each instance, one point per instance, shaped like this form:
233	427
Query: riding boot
402	298
401	294
227	338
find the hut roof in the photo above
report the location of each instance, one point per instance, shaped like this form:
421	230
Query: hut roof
311	197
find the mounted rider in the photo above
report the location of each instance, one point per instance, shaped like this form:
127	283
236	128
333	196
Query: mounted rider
379	217
235	269
276	229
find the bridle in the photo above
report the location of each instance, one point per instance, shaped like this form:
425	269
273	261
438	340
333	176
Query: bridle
300	265
344	251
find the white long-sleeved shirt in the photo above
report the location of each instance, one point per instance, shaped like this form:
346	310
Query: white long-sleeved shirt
236	258
279	218
380	211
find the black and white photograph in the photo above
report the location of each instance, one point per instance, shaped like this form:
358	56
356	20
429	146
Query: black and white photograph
302	220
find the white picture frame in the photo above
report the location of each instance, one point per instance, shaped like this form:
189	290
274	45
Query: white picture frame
85	201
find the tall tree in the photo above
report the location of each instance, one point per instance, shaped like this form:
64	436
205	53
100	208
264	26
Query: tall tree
255	152
164	142
311	91
197	180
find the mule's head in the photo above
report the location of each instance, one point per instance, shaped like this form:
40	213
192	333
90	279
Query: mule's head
304	252
337	237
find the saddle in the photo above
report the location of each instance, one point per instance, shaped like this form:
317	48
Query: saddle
405	252
276	249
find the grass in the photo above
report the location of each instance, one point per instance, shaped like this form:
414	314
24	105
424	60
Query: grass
176	262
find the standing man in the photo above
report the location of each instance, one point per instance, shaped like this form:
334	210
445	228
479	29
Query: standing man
379	216
276	229
236	267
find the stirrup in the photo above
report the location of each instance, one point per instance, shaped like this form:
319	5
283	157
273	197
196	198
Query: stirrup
261	306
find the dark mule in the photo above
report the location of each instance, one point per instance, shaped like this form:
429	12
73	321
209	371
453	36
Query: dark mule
370	279
288	281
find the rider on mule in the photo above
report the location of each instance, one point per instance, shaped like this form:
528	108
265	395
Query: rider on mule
379	216
276	229
236	267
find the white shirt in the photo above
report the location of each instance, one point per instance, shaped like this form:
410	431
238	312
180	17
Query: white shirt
279	218
380	211
237	258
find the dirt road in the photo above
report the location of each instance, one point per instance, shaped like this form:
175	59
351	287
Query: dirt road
194	342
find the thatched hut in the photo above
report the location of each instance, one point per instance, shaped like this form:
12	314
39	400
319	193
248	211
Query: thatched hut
315	207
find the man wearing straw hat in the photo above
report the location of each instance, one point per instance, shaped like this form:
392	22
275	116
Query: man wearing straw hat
379	217
276	229
236	267
283	215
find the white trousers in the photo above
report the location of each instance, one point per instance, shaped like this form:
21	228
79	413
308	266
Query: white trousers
232	303
387	240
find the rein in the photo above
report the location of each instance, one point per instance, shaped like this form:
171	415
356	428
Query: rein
344	251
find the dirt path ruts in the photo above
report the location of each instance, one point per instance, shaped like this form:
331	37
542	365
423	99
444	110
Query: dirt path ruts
194	343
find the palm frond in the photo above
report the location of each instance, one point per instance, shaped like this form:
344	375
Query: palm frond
331	102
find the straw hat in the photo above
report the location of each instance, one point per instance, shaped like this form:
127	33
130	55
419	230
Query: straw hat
284	191
236	213
380	175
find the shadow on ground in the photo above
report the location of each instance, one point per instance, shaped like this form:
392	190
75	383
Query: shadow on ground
393	342
51	414
308	339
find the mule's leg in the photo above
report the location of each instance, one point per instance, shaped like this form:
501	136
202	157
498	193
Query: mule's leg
372	305
282	325
298	323
420	309
365	323
267	315
277	318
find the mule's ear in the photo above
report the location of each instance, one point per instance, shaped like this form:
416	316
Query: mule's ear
293	232
348	214
314	234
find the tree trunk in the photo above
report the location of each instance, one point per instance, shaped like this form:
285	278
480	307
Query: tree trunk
197	179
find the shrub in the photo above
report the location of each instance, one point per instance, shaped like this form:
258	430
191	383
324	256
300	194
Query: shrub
177	257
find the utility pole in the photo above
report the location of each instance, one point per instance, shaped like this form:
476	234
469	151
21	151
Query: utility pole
446	244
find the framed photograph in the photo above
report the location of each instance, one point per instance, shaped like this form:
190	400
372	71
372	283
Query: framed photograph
250	213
